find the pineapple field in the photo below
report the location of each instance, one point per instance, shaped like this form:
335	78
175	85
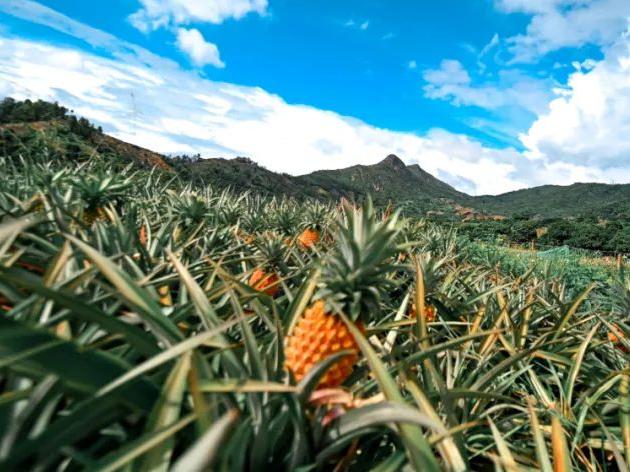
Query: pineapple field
149	323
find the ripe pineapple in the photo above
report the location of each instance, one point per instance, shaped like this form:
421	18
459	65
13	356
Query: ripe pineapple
313	225
615	336
264	282
430	312
143	236
318	335
271	252
309	238
353	281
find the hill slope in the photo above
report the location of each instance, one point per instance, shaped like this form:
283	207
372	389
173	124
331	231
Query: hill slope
559	201
389	180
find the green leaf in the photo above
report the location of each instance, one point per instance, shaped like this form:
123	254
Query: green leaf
201	455
166	411
81	310
418	449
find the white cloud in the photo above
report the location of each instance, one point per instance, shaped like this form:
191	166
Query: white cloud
452	82
557	24
412	65
588	124
451	72
155	14
363	25
37	13
200	51
493	43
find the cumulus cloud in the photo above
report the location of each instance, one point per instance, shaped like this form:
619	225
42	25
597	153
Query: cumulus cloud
557	24
588	124
452	82
155	14
200	51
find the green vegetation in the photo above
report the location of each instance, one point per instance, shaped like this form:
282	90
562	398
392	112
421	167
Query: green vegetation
554	201
132	339
12	111
607	236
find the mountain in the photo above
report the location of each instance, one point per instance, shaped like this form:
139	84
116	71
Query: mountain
559	201
389	180
35	127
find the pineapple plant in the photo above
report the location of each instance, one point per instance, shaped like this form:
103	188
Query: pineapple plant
353	282
270	252
97	192
314	223
191	209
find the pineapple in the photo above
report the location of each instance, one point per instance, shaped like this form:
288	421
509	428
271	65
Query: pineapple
318	335
313	224
264	282
271	252
353	281
97	192
143	236
430	312
309	238
90	215
615	336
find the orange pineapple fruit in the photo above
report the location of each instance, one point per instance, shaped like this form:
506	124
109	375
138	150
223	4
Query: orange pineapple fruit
164	292
266	282
615	337
308	238
143	236
430	312
316	336
363	247
245	237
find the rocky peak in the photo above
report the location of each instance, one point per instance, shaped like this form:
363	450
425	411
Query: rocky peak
394	162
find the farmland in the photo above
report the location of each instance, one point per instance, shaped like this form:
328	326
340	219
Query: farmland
135	335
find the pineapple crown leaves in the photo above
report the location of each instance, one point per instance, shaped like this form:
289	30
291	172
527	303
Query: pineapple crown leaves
271	251
317	216
97	191
355	273
191	208
286	218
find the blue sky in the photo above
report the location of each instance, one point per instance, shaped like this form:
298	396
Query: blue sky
490	95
